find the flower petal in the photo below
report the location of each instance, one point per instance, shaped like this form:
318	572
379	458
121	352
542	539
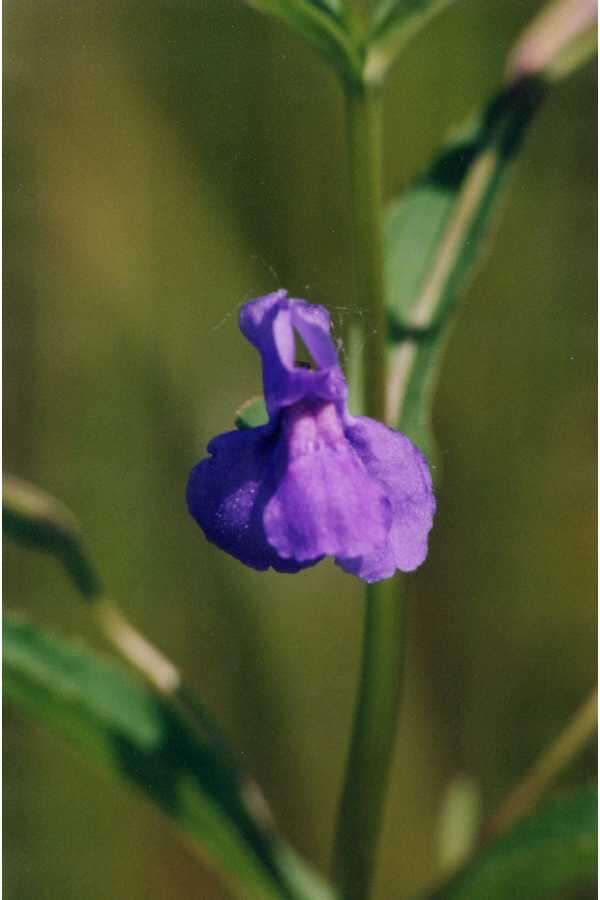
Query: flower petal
313	324
227	494
314	481
393	461
270	324
257	315
325	502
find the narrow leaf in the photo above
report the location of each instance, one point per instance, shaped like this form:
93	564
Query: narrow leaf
394	24
133	735
321	23
552	850
435	235
34	518
336	8
558	40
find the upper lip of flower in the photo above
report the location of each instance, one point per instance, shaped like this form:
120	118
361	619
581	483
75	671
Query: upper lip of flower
314	481
271	323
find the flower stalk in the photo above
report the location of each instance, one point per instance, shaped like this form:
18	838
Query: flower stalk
363	111
370	756
371	750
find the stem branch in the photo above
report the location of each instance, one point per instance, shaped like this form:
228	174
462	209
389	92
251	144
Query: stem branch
136	649
546	768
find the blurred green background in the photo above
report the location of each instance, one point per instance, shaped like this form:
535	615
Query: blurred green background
166	160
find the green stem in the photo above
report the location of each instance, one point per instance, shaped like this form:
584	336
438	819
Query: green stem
371	749
364	138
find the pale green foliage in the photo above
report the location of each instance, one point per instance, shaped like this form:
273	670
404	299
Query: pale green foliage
135	736
539	857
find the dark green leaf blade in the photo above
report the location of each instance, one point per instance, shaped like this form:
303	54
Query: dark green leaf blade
551	850
32	517
133	735
336	8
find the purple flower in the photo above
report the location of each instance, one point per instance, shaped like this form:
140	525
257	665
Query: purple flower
315	481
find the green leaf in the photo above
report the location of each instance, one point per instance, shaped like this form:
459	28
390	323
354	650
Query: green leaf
251	414
337	8
434	237
394	24
135	736
437	231
32	517
322	24
554	849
